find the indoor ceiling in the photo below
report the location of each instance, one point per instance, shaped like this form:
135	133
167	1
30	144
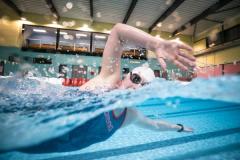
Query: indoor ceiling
164	15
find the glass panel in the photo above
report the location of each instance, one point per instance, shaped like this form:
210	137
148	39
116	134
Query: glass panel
98	43
79	71
1	68
62	71
39	37
132	51
157	73
74	41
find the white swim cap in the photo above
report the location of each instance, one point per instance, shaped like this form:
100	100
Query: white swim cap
145	72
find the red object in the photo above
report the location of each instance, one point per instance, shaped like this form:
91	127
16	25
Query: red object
232	68
74	82
211	71
92	73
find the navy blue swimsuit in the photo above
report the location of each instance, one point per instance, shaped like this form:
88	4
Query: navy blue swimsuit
93	131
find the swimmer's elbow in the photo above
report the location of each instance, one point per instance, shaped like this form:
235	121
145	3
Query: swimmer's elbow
117	29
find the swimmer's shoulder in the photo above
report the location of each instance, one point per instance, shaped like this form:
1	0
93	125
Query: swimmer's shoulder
97	83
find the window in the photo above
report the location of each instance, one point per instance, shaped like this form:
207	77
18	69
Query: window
99	41
74	41
1	68
47	39
157	73
42	60
232	33
216	40
132	52
14	58
62	71
79	71
39	38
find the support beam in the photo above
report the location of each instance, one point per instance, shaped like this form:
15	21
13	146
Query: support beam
194	33
13	6
204	14
168	12
212	20
129	12
53	9
225	10
91	9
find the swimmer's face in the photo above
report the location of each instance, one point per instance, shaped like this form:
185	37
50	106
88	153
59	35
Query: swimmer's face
133	80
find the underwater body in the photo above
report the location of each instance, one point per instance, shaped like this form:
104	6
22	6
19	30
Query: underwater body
34	110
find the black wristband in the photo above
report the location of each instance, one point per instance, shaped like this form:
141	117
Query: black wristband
181	129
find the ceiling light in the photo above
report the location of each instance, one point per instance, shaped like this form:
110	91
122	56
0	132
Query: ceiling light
100	37
138	23
81	35
39	30
159	24
177	39
85	26
55	15
177	33
63	33
212	44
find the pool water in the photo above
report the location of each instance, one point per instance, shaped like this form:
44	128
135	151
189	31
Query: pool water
35	110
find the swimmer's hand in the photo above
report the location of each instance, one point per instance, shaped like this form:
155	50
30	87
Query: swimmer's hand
186	129
175	51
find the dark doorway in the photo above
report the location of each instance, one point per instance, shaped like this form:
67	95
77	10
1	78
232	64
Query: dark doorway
62	71
157	73
1	68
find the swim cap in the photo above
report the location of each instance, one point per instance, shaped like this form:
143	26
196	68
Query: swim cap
145	72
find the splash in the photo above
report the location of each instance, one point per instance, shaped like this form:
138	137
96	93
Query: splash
41	107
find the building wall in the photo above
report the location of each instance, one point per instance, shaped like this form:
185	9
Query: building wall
11	41
229	55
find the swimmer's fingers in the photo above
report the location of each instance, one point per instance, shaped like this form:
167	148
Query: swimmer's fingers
184	46
179	64
162	62
186	61
186	55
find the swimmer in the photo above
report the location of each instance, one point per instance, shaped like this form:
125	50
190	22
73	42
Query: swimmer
173	50
103	126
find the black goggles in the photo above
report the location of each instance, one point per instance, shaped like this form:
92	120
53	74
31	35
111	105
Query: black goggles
135	78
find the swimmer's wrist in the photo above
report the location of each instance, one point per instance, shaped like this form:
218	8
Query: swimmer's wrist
156	43
180	127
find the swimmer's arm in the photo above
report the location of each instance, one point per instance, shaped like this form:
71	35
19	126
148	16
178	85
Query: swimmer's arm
122	33
135	117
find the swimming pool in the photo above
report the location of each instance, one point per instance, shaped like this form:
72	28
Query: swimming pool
211	107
